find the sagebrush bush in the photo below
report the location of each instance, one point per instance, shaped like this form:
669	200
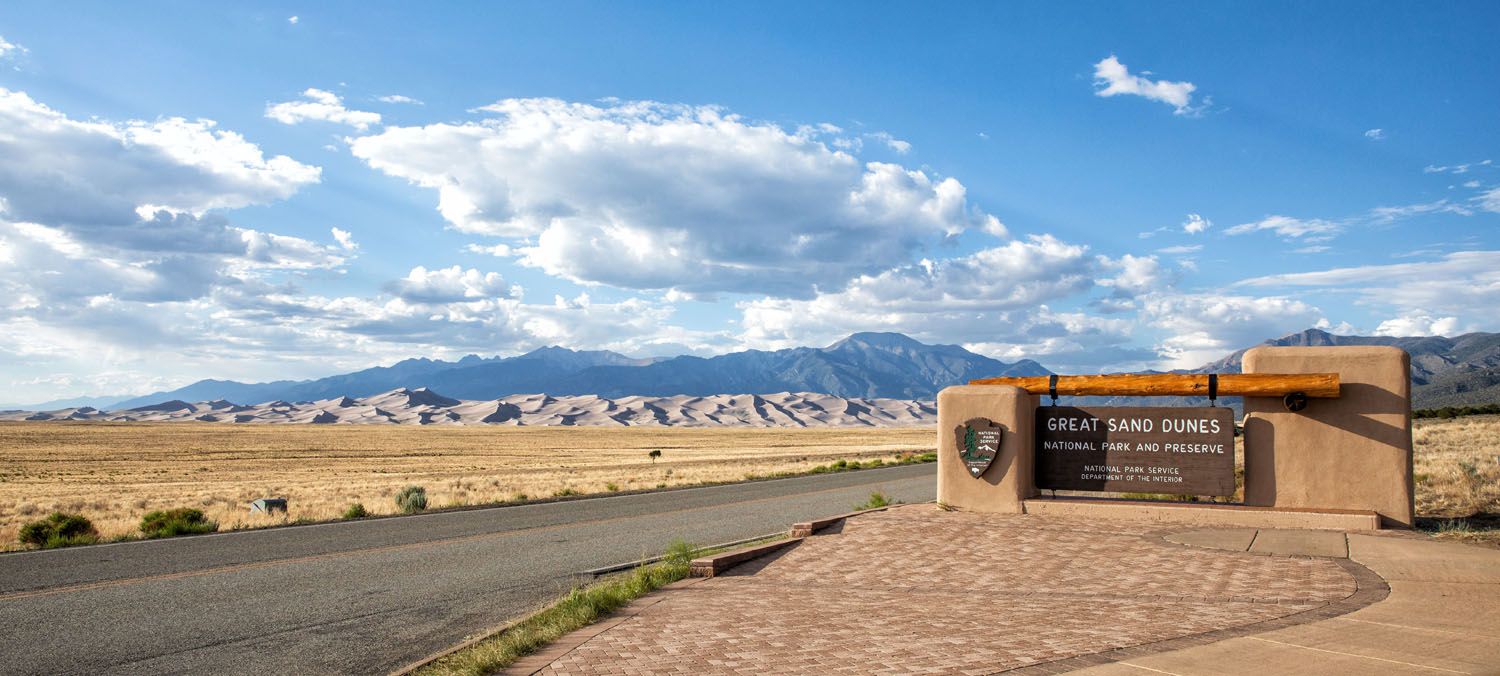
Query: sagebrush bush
59	530
411	499
356	511
174	522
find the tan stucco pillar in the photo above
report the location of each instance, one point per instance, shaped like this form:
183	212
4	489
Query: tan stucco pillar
1353	452
1009	479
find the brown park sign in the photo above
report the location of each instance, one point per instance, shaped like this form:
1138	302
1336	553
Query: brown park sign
1185	451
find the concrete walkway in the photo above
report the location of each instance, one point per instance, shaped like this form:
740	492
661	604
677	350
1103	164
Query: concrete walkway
918	589
1442	617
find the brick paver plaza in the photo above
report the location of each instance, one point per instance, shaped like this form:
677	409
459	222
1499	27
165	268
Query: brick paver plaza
919	589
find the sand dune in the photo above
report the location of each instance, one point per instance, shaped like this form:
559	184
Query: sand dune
424	407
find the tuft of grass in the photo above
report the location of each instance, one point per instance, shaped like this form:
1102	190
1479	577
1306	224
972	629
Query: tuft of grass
1478	529
877	499
581	607
564	492
411	499
356	511
174	522
611	487
59	529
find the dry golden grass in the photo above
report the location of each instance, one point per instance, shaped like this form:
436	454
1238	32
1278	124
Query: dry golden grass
115	473
1457	469
1457	466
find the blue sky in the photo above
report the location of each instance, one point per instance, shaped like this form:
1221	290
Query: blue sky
261	191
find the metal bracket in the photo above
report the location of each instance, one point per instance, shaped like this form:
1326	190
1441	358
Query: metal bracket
1052	388
1213	389
1294	401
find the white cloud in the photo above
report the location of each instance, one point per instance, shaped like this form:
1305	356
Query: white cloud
55	170
499	250
322	106
1180	249
1196	224
1490	200
1417	324
901	147
1382	215
1457	284
345	239
399	98
10	49
968	299
1456	168
448	285
1375	134
1137	275
1203	327
1311	229
293	19
1112	78
654	196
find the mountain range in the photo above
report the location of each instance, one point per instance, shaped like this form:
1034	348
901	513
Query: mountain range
864	365
1445	371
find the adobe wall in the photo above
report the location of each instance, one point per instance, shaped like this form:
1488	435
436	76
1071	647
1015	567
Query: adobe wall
1009	479
1353	452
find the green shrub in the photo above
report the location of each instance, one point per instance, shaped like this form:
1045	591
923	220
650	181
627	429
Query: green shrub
611	487
877	499
59	530
564	492
411	499
174	522
356	511
1447	412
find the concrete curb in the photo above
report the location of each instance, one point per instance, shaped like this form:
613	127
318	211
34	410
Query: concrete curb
808	528
710	566
596	572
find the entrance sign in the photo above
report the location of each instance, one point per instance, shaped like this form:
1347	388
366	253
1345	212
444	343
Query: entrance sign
1184	451
978	441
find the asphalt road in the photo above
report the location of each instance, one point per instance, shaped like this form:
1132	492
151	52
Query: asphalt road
367	597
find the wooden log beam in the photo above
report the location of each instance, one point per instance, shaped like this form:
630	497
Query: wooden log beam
1314	385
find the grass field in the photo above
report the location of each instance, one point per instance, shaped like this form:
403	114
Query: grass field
115	473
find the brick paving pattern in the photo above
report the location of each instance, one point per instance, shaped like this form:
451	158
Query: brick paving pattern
920	590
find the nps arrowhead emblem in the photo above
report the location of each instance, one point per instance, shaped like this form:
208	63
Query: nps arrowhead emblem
978	444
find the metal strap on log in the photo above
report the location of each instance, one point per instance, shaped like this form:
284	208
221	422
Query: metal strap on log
1314	385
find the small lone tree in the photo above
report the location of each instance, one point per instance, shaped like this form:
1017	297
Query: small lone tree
654	455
